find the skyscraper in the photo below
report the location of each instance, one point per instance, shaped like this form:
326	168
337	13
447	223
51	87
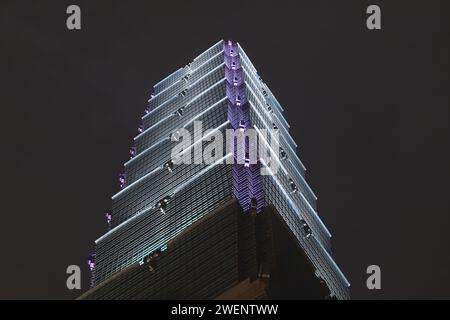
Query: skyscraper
213	230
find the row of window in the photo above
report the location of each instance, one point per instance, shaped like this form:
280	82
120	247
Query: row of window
154	229
213	95
309	244
189	75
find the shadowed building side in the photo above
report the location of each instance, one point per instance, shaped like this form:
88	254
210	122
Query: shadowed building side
225	255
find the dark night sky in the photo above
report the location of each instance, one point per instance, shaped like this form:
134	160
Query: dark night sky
369	110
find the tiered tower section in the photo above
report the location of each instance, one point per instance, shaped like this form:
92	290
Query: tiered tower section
158	199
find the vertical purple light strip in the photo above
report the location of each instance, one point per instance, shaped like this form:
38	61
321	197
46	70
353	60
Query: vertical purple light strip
91	265
247	182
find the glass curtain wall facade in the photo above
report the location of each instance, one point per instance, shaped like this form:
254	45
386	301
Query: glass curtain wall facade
159	200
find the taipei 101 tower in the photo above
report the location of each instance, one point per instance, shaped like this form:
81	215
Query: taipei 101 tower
220	230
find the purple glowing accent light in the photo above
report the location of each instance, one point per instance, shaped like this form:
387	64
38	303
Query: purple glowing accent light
91	265
122	180
108	216
247	181
232	63
141	128
132	152
91	262
147	110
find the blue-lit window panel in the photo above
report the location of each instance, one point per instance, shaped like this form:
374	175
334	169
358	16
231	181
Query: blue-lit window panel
257	119
244	59
184	114
195	88
205	88
160	153
223	241
267	123
205	68
264	113
273	104
166	94
187	79
189	268
172	122
313	249
161	228
147	161
136	238
270	99
265	109
218	47
175	76
306	211
255	86
145	192
300	198
296	173
193	112
281	121
148	191
247	64
269	118
167	81
251	81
